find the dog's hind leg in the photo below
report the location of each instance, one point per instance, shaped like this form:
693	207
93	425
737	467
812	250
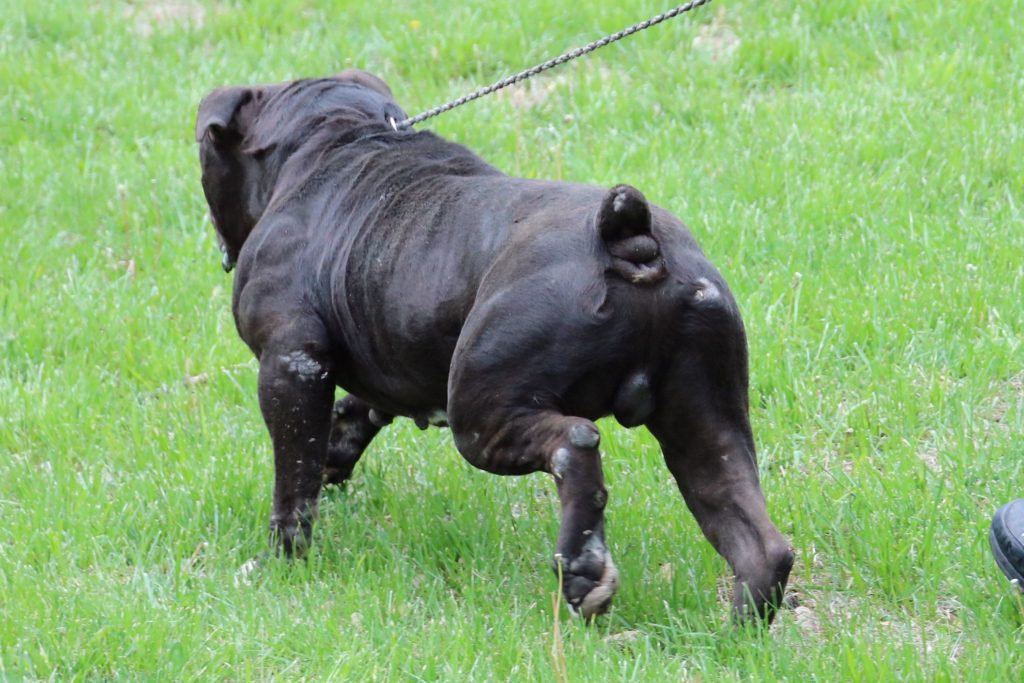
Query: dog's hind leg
353	425
506	418
717	475
521	442
702	423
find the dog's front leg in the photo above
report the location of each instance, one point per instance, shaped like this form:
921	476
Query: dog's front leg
296	393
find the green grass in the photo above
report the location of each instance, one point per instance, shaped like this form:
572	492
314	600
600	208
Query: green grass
855	169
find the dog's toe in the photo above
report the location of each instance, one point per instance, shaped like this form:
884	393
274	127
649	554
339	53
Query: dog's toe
589	581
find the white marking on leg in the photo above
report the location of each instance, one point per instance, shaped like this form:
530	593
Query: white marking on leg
438	418
559	461
378	419
595	545
584	436
706	290
302	365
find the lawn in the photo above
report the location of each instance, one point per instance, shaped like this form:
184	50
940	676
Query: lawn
854	168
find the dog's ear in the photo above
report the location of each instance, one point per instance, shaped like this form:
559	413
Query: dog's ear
365	79
220	113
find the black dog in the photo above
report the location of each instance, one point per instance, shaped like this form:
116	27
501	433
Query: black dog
428	284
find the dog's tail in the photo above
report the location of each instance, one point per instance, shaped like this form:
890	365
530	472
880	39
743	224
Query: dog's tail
624	223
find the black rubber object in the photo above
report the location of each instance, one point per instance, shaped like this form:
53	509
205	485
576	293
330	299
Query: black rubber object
1006	536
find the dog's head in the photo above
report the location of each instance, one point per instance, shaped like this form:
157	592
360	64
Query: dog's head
246	134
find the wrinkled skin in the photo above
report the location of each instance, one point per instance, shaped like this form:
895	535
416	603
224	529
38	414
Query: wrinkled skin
428	284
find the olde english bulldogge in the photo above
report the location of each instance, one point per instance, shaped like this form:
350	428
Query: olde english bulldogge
428	284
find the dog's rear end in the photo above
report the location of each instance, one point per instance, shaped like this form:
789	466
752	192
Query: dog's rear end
405	270
637	324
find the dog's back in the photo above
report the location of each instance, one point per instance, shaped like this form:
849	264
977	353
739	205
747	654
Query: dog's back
416	234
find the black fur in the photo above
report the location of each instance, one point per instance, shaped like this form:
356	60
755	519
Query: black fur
428	284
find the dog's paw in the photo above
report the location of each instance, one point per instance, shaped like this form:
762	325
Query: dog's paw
590	579
352	428
337	471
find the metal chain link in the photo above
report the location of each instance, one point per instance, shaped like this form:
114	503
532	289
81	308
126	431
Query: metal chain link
551	63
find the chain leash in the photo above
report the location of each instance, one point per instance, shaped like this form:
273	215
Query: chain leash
551	63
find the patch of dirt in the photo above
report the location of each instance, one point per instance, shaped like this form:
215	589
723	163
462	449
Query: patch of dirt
717	39
807	621
1011	391
622	637
929	453
816	609
163	15
534	92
